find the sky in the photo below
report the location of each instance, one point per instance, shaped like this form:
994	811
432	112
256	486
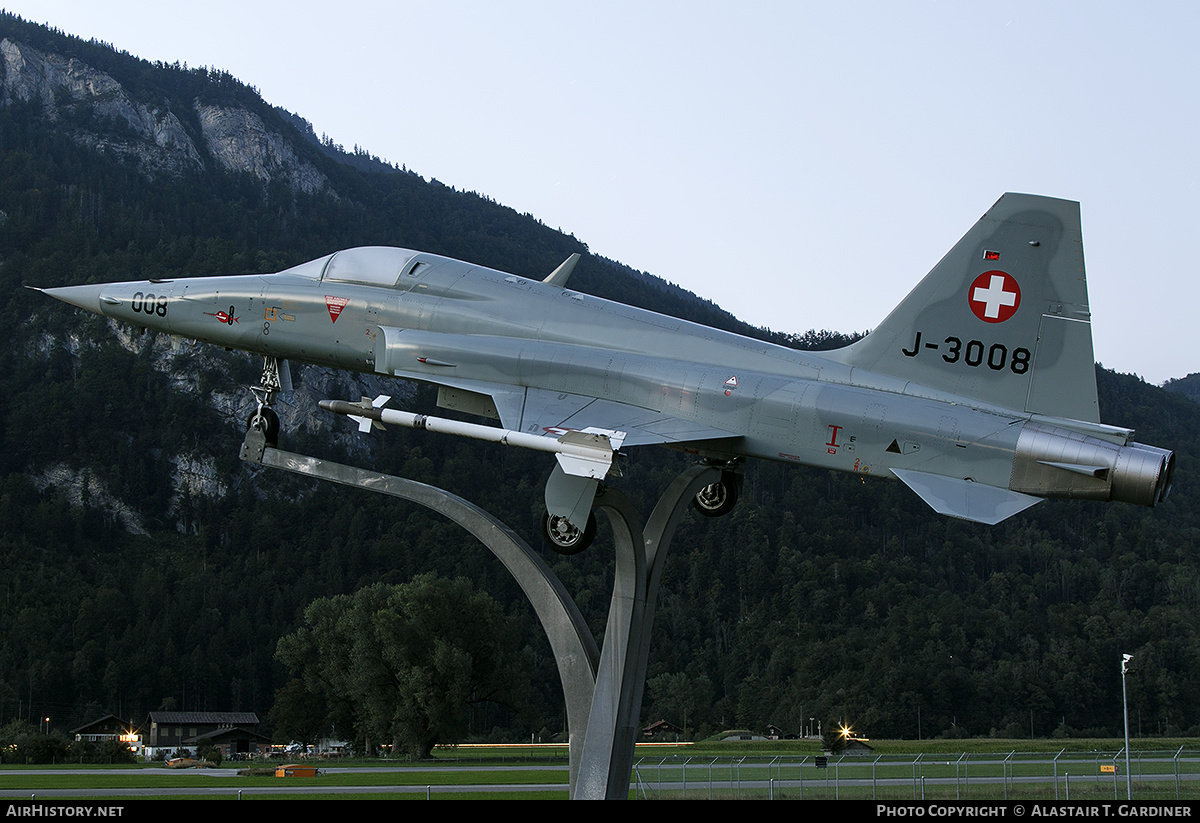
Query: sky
800	164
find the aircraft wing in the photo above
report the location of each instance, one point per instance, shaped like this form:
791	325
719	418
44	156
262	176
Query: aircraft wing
543	412
467	367
547	412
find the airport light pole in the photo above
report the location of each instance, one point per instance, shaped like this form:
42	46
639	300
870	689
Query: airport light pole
1125	658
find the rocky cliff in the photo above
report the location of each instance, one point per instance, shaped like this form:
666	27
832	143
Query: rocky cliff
99	112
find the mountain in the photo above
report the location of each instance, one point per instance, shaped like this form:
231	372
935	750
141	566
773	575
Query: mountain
1188	386
143	566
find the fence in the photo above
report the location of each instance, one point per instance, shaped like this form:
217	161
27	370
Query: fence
1156	775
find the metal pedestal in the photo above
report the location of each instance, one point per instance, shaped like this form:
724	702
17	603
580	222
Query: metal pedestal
602	690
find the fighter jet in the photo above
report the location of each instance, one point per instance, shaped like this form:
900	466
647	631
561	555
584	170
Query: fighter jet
978	391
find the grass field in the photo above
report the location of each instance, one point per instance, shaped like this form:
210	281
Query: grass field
1162	770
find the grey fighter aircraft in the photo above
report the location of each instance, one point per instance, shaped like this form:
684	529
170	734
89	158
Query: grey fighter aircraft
978	391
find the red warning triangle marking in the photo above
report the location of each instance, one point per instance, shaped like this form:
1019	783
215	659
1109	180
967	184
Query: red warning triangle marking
335	306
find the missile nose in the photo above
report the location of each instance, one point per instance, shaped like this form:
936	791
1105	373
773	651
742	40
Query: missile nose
85	297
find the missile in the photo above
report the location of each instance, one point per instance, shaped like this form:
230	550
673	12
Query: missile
580	453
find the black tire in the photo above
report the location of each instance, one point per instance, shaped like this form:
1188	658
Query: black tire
266	421
718	499
562	535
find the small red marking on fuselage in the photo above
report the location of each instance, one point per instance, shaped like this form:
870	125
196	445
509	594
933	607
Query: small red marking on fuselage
335	306
832	443
224	317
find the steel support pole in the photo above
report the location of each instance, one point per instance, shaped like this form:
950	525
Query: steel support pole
602	690
620	682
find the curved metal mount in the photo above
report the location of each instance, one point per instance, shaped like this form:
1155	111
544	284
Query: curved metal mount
620	682
603	691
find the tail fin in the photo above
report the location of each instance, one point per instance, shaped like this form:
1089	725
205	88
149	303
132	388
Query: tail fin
1003	318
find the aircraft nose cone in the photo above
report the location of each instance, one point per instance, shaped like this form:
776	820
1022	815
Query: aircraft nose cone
85	297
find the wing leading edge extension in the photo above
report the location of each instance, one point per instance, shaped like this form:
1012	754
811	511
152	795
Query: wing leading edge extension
463	364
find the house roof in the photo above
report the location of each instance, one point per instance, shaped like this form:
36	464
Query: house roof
109	720
660	724
206	718
229	733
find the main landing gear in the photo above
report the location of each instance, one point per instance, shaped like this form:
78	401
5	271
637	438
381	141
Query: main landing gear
564	536
718	499
714	500
275	379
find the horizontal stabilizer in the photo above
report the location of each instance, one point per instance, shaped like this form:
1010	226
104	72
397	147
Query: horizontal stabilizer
966	499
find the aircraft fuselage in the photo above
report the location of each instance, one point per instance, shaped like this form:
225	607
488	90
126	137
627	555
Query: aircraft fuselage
963	393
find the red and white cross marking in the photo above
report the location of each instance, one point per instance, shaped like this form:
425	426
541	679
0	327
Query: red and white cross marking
994	296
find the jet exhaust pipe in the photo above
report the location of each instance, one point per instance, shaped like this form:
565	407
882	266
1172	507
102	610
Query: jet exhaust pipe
1143	474
1052	461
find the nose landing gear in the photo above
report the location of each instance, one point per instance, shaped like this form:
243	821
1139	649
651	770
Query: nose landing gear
265	420
275	379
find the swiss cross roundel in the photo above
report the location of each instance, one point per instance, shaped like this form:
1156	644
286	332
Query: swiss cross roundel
994	296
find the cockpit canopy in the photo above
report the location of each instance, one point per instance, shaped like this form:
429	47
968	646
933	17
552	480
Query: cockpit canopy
377	265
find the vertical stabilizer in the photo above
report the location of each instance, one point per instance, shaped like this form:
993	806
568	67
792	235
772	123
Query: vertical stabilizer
1003	317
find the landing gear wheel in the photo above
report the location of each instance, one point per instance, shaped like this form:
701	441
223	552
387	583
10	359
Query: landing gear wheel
718	499
564	536
266	421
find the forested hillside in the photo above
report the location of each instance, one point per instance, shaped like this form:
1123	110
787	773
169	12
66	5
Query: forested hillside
143	566
1188	386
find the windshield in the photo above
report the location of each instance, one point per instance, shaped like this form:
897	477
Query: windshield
380	265
370	264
